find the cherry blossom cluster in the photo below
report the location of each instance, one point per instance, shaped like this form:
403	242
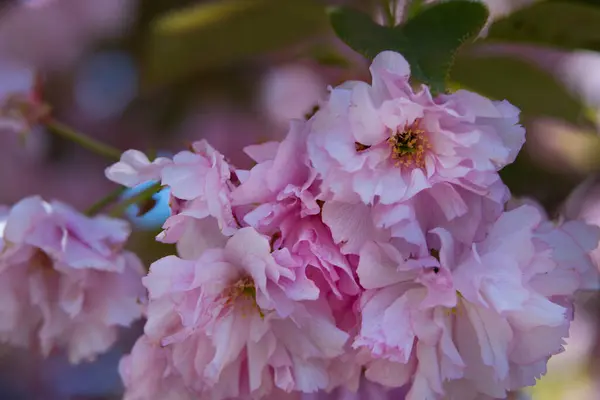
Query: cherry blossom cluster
373	251
374	243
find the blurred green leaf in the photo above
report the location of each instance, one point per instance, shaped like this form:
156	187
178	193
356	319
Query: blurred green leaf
329	56
362	34
590	2
428	41
526	178
414	8
526	86
224	32
567	24
437	33
144	244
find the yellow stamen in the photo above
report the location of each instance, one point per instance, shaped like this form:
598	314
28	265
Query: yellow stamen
244	289
456	310
409	146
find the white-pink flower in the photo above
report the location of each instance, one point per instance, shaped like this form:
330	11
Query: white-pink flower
583	204
384	142
135	168
367	390
242	319
148	373
200	184
480	320
469	218
282	171
283	185
66	281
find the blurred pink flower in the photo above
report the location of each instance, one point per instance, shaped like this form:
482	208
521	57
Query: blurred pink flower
20	105
67	282
290	92
53	34
584	204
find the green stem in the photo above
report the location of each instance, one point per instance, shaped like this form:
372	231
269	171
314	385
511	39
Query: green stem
82	140
144	195
105	201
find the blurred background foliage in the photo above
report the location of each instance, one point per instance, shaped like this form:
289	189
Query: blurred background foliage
157	74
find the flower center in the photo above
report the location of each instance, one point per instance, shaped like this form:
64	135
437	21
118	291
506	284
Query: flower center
243	293
41	260
409	145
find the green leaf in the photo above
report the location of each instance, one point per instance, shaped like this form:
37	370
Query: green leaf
414	8
531	89
565	24
210	35
527	178
428	41
437	33
362	34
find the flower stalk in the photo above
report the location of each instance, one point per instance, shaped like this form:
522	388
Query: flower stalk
140	197
105	201
86	142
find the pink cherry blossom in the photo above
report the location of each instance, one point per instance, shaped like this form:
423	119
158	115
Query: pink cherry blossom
367	390
66	282
482	321
147	373
283	170
283	185
135	168
387	143
200	183
583	204
353	224
240	320
573	239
